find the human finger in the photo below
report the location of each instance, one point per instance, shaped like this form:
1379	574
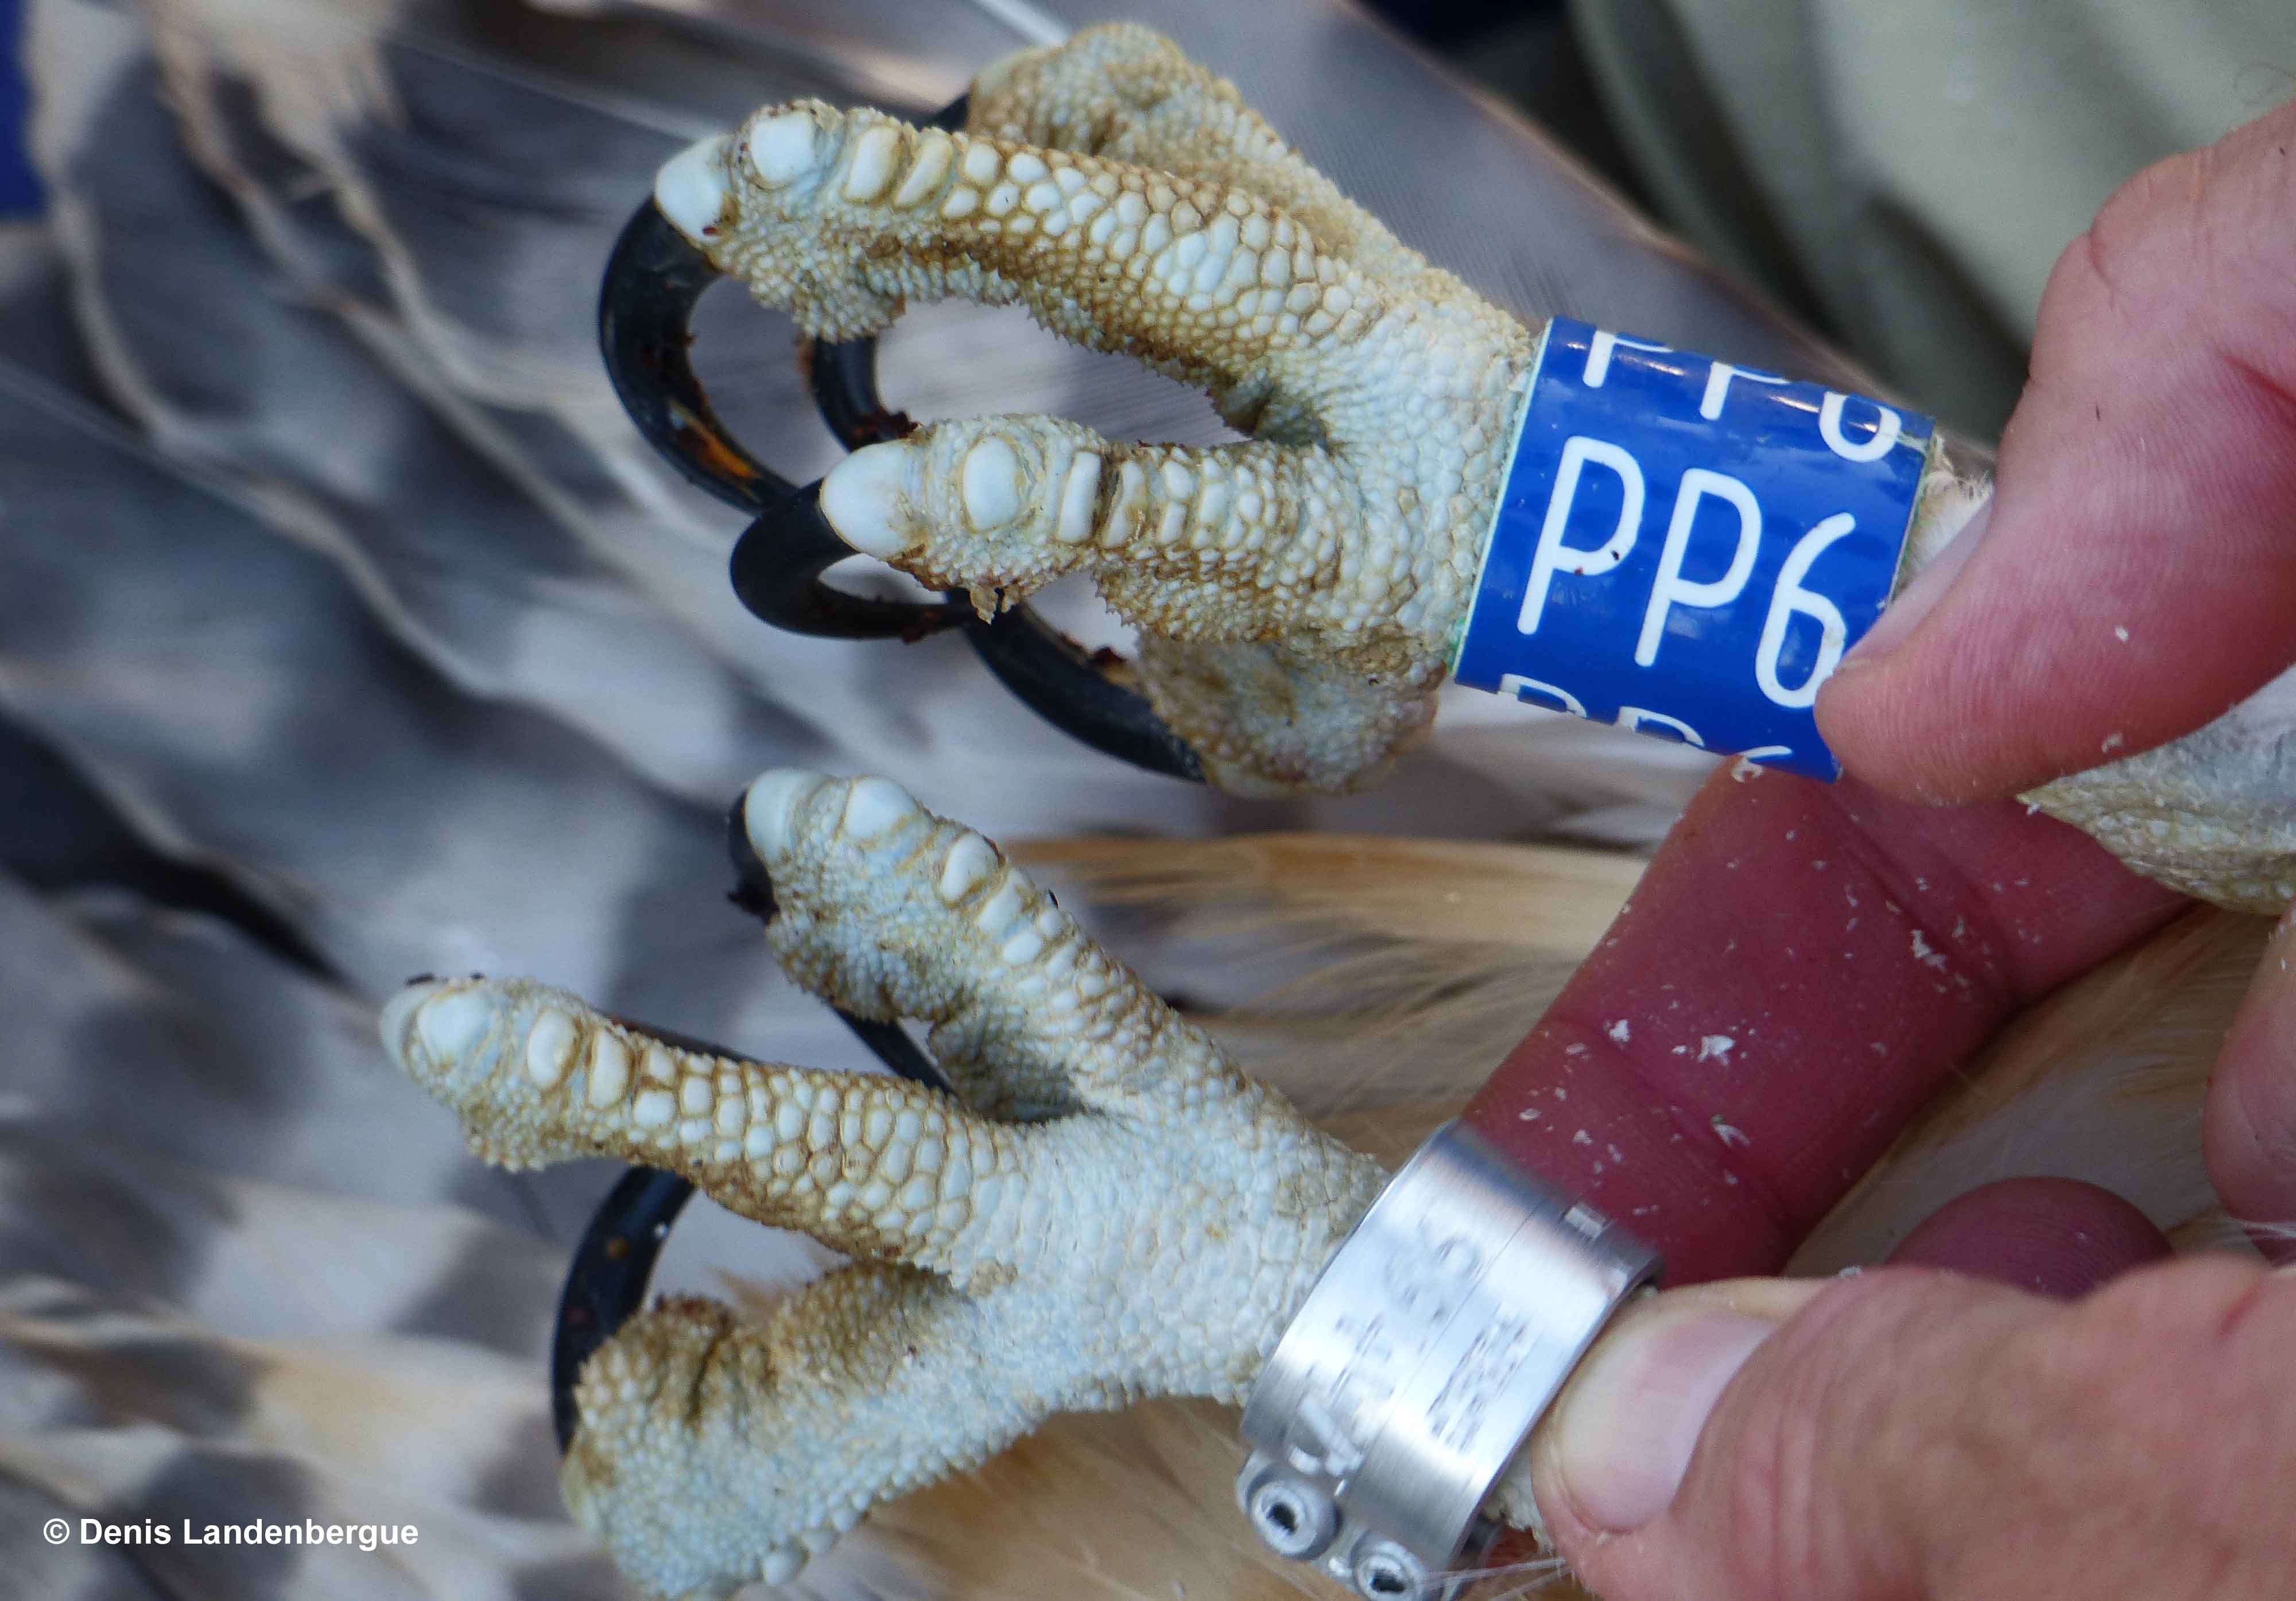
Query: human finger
2249	1128
2053	1237
1801	967
1912	1435
2134	577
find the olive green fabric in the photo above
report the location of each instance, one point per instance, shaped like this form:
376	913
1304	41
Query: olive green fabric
1909	170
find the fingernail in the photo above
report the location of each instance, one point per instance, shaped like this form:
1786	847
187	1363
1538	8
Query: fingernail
1632	1415
1906	612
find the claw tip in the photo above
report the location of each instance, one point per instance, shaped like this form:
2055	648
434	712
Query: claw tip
865	497
690	189
770	808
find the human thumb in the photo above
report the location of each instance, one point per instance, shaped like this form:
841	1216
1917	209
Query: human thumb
1917	1435
2134	577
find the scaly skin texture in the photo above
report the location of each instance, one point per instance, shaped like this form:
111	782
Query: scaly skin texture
1108	1210
2212	814
1296	595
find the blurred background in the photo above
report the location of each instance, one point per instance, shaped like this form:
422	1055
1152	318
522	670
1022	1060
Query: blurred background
347	631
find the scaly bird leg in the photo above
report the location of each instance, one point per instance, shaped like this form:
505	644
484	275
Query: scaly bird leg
1296	595
1149	1232
1335	550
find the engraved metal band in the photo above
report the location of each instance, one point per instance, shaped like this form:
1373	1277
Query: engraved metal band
1439	1332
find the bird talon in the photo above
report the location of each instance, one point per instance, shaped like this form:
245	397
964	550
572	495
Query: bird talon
1160	218
1107	1209
1297	595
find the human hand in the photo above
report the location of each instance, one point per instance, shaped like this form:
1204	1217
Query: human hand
1916	1434
2136	575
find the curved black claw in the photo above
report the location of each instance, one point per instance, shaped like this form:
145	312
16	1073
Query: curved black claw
646	310
842	373
842	376
607	1281
1078	693
653	280
777	566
